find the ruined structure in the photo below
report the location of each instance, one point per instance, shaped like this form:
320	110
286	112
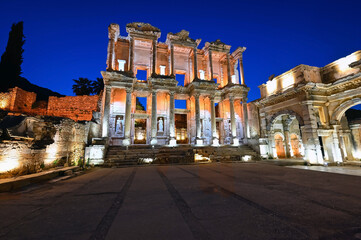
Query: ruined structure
78	108
29	144
210	80
302	112
40	134
170	102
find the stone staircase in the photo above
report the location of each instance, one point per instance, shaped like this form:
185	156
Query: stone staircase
143	154
228	153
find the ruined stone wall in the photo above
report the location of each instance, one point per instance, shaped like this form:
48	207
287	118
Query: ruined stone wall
22	100
54	144
5	100
78	108
17	100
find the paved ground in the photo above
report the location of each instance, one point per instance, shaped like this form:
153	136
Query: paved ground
356	171
210	201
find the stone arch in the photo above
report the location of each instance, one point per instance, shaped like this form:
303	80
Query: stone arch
279	144
342	108
284	112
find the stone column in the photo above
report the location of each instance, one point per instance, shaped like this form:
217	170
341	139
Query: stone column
245	119
106	112
113	32
154	67
210	63
337	153
131	54
195	65
326	115
199	140
236	72
241	71
286	130
172	59
264	146
310	136
233	122
172	139
229	70
128	106
348	145
215	141
153	140
110	60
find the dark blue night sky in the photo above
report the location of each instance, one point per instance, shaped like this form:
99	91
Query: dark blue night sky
68	39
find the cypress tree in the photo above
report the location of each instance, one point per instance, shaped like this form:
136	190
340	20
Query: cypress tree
12	58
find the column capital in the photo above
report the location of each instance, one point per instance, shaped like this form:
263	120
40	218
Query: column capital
113	31
128	90
231	98
171	93
196	95
211	97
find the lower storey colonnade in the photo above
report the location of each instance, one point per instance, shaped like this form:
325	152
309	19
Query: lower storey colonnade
152	117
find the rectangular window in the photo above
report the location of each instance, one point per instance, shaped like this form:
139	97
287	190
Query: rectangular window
180	79
162	70
215	80
180	104
233	77
201	74
216	106
121	64
141	75
141	104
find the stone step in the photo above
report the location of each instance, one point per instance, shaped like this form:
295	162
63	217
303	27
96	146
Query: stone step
119	155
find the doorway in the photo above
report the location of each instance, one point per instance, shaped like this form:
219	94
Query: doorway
140	131
181	128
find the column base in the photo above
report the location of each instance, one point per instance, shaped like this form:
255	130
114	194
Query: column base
235	142
215	142
126	142
263	148
199	142
153	141
172	142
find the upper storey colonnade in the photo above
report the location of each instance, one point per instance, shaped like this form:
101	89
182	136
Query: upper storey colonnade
141	50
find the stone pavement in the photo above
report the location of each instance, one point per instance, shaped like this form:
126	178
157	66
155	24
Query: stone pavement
208	201
355	171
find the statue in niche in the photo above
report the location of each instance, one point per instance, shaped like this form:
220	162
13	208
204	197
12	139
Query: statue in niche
119	124
160	125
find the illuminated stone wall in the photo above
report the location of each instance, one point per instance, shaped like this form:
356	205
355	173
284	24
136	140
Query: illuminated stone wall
5	100
17	100
78	108
302	112
47	142
212	74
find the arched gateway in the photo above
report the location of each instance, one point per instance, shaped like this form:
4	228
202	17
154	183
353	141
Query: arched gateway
318	99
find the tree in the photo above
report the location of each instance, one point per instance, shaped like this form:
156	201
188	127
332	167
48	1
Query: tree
12	58
97	86
82	86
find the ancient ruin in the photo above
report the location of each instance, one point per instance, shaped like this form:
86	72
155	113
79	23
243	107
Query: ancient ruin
168	102
302	112
210	80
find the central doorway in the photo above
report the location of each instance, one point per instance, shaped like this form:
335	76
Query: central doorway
140	131
181	128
